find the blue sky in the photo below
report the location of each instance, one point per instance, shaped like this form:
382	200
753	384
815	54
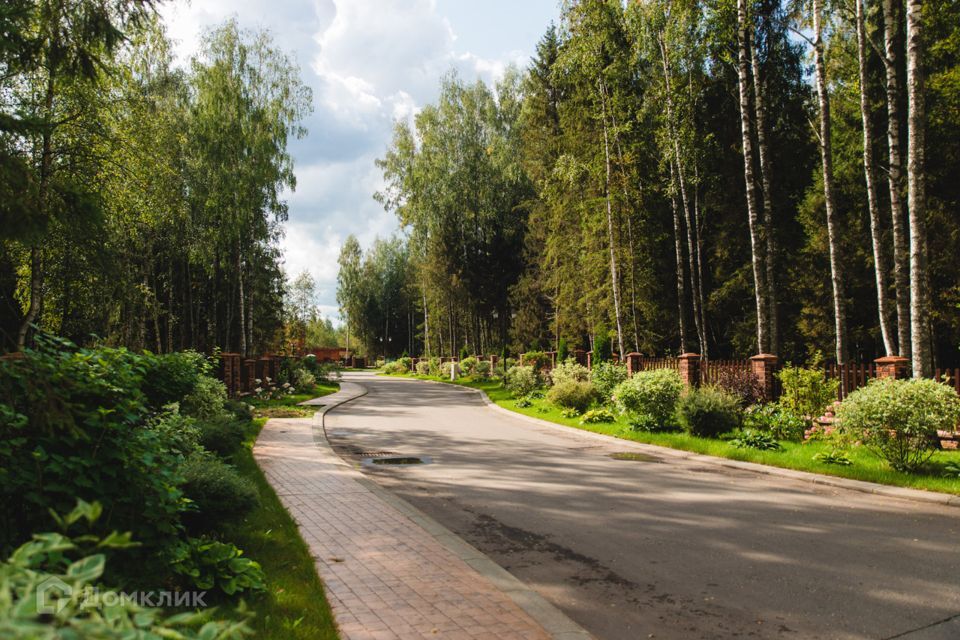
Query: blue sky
369	62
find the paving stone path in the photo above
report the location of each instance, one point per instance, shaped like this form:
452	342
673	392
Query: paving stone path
387	576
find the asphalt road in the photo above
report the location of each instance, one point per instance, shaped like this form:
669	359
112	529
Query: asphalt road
660	547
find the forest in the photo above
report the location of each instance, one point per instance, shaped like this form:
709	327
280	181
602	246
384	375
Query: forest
728	178
141	201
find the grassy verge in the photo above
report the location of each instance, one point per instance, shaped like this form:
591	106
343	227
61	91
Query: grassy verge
286	406
294	606
794	455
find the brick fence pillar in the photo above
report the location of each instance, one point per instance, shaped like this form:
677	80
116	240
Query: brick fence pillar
589	356
633	363
690	369
581	357
249	375
896	367
764	366
230	372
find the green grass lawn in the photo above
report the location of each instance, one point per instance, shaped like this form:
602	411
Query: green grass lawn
294	606
794	455
286	406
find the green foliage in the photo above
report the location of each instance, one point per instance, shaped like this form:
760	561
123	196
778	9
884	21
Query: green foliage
772	417
170	377
524	402
302	380
47	592
463	353
708	412
562	350
570	413
649	395
483	370
806	392
750	439
597	416
539	360
209	564
206	400
834	456
951	469
605	377
219	494
569	370
423	368
898	419
521	380
395	367
468	365
572	394
222	436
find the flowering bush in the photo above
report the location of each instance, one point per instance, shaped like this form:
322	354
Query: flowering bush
569	370
898	420
521	380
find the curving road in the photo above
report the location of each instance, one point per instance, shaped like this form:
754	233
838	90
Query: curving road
662	547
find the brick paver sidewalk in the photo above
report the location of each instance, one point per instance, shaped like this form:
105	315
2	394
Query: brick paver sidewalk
386	576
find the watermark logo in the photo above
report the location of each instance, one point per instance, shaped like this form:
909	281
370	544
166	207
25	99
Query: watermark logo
53	594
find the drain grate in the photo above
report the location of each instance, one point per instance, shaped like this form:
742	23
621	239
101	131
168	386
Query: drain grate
394	459
377	454
633	455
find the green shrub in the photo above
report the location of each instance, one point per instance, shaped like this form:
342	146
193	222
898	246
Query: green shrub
483	370
468	366
750	439
834	456
570	413
463	353
771	417
602	352
446	368
168	378
650	395
569	370
435	369
406	362
220	495
302	380
239	410
206	401
562	350
209	564
524	402
572	394
74	423
80	606
806	392
536	359
423	368
898	419
597	416
395	367
742	384
708	412
605	377
521	380
221	436
951	469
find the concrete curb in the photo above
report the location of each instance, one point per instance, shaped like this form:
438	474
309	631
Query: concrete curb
555	622
861	486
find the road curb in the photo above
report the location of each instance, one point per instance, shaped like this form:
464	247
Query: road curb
861	486
555	622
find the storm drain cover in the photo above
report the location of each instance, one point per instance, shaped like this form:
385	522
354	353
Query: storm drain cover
633	455
393	459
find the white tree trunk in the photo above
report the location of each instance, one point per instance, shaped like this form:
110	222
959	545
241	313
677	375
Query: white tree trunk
614	276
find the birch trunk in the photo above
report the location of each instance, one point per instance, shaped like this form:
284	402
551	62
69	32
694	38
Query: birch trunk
901	253
614	276
826	161
756	245
241	307
881	269
678	248
916	195
766	170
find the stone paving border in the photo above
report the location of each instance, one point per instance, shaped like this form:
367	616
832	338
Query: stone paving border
390	571
862	486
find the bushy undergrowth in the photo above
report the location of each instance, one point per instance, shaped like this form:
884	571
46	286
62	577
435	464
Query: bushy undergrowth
569	371
219	493
483	370
468	366
423	368
605	377
521	380
742	384
708	412
750	439
572	394
396	367
898	419
649	396
775	419
806	392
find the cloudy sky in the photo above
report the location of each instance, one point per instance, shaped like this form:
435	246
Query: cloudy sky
368	62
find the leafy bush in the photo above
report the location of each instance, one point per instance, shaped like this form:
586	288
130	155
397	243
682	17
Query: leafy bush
782	424
570	413
569	370
220	495
206	401
708	412
521	380
435	369
222	436
239	410
74	423
572	394
446	368
605	377
524	402
406	362
483	370
742	384
602	352
649	395
750	439
596	416
302	380
536	359
168	378
898	419
468	366
806	392
78	606
423	368
209	564
951	469
834	456
395	367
